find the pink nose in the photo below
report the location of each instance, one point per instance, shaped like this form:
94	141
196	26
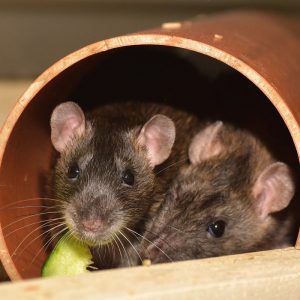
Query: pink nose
92	225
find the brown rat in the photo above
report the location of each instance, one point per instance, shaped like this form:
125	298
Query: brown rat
230	199
115	165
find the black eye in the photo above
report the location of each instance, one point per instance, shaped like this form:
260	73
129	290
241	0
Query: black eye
216	229
128	177
73	171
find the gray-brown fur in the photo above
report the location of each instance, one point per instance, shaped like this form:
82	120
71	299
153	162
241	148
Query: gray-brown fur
219	188
109	147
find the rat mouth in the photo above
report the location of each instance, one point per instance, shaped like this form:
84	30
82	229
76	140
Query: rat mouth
90	231
94	238
97	242
91	239
94	232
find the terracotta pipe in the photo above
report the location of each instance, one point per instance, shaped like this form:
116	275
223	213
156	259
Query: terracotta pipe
264	48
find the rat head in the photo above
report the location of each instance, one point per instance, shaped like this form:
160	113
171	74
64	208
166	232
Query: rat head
223	202
104	175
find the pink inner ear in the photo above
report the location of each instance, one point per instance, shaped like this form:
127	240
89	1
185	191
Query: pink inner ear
67	121
157	136
154	143
274	189
205	144
264	195
70	128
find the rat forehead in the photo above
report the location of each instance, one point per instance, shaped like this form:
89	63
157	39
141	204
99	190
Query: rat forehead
231	169
206	204
115	143
213	186
110	147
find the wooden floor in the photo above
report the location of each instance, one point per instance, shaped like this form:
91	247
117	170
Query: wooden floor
273	275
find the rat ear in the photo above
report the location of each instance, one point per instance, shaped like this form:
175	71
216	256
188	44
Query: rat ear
205	144
273	189
67	121
157	136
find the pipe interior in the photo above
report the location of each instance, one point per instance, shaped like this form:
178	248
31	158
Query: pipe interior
179	77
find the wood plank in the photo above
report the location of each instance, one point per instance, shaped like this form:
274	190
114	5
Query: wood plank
263	275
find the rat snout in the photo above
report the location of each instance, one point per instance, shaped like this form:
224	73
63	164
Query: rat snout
94	219
91	216
93	226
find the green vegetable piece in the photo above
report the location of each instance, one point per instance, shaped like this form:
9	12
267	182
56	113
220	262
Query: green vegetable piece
69	257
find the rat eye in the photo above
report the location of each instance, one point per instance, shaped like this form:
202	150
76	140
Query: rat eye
73	171
216	229
128	177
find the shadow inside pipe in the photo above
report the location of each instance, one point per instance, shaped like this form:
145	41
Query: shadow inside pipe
185	79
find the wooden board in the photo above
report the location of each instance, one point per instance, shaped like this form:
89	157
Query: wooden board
263	275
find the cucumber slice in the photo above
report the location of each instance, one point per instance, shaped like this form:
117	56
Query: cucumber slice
69	257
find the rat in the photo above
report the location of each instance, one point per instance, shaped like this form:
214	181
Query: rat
231	198
115	165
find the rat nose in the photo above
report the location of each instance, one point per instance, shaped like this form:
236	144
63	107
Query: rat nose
92	225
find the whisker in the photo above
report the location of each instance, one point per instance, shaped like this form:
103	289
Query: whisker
151	243
105	249
47	244
34	206
45	222
121	255
159	237
171	165
125	251
110	249
99	250
67	236
131	245
139	240
27	217
173	227
165	224
137	237
51	238
28	235
32	199
113	250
